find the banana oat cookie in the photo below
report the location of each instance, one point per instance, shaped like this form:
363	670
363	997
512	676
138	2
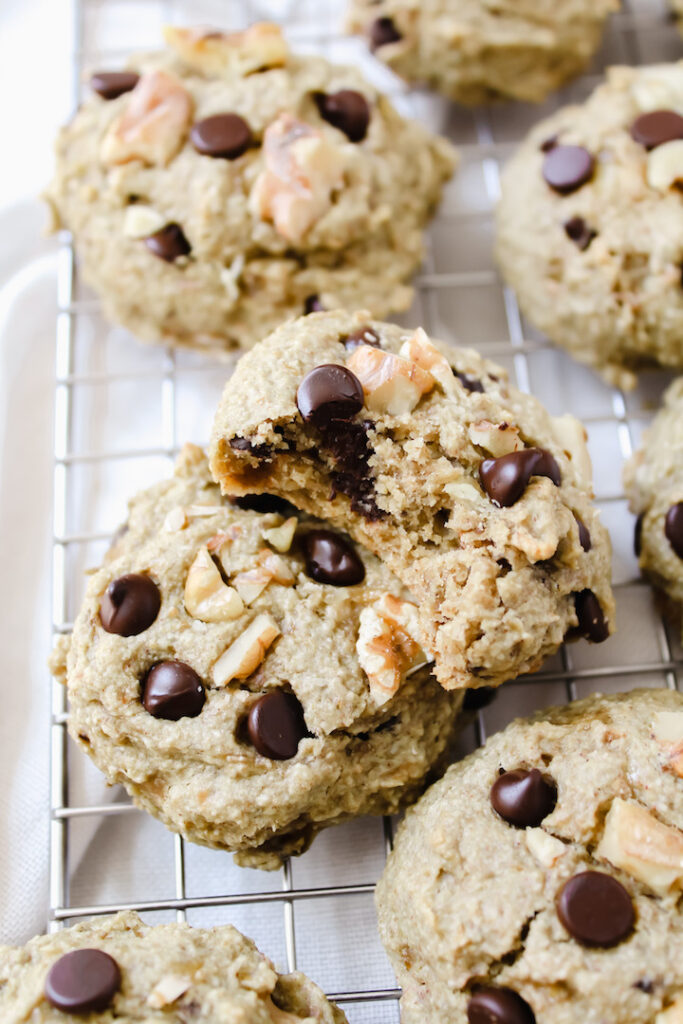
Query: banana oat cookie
590	224
243	672
540	879
220	186
476	51
118	968
654	484
466	488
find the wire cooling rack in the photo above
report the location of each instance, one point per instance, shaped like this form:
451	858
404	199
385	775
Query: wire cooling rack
121	412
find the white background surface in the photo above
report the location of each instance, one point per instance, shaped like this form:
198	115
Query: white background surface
130	858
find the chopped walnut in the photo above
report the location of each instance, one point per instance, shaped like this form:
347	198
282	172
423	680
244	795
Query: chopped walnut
419	349
168	990
281	536
140	221
207	597
175	520
259	47
667	727
153	125
251	583
391	383
496	438
544	847
571	435
247	652
672	1014
388	644
302	170
642	846
665	166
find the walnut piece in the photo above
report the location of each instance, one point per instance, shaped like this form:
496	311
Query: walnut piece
544	847
419	349
153	125
259	47
280	537
167	990
391	383
665	166
247	652
302	170
207	597
251	583
388	644
496	438
642	846
667	727
175	520
140	220
571	435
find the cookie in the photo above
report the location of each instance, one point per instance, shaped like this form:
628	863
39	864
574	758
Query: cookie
120	968
590	224
654	484
540	879
677	11
220	186
467	489
248	674
475	51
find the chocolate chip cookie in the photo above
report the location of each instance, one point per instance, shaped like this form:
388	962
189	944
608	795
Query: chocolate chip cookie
540	879
590	224
250	675
476	51
223	185
118	968
467	489
654	483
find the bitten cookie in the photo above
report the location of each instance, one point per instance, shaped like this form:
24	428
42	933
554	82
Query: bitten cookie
540	880
468	490
476	51
243	673
223	185
590	224
118	968
654	484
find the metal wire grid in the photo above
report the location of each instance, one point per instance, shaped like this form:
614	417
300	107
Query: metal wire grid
570	674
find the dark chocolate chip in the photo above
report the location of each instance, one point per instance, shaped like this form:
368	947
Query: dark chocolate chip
595	909
523	798
111	84
592	622
363	336
657	127
478	697
222	135
673	528
264	503
276	725
332	559
549	143
468	382
638	536
584	534
313	305
579	232
172	690
347	110
382	32
349	445
567	168
245	444
645	985
506	478
488	1005
130	604
329	392
83	981
168	243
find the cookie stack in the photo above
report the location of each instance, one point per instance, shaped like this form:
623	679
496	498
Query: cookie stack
282	635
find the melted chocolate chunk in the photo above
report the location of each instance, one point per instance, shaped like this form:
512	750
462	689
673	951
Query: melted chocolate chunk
673	528
579	232
596	909
264	503
363	336
329	393
592	622
350	448
584	534
382	32
168	243
347	110
83	981
506	478
332	559
244	444
523	798
130	604
276	725
489	1005
468	382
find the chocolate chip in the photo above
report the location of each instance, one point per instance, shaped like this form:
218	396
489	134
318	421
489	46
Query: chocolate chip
130	604
468	382
222	135
245	444
172	690
638	535
645	985
592	623
549	143
329	392
657	127
264	503
584	534
346	110
488	1005
478	697
332	559
313	305
168	243
363	336
83	981
673	528
595	909
382	32
505	479
523	798
579	232
348	444
111	84
276	725
567	168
